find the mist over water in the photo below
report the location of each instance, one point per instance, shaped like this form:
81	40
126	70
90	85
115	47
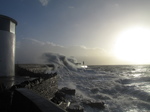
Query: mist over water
122	88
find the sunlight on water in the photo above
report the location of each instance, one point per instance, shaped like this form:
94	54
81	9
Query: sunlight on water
136	110
122	88
137	75
145	87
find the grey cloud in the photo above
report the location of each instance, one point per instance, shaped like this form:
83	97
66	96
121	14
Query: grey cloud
44	2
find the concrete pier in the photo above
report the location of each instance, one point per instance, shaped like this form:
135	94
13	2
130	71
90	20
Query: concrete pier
29	89
25	100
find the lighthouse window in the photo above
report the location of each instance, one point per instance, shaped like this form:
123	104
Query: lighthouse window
12	27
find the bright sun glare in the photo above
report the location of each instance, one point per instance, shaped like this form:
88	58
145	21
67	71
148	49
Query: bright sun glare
133	45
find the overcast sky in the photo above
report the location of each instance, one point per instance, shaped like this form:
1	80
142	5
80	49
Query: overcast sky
85	29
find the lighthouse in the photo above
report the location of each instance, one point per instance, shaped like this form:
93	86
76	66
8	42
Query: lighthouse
7	46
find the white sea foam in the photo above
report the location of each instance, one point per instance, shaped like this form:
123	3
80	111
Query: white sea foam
122	88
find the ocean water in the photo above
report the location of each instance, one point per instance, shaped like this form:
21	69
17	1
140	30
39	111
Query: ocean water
123	88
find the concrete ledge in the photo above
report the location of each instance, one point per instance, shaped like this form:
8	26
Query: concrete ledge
25	100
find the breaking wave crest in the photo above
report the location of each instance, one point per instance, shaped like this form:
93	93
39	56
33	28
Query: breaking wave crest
122	88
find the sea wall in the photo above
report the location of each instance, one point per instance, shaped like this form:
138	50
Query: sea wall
47	88
44	84
30	81
24	100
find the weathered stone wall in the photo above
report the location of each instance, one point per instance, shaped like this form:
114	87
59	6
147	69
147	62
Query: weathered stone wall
44	84
46	88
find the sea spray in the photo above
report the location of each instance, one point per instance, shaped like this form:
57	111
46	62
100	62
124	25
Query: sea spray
61	61
119	87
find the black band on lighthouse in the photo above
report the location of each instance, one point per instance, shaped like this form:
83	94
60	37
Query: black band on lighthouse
7	24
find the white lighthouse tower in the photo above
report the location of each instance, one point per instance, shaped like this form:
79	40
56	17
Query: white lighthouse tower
7	46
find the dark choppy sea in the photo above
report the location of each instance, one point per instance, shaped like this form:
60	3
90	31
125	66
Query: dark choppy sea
124	88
